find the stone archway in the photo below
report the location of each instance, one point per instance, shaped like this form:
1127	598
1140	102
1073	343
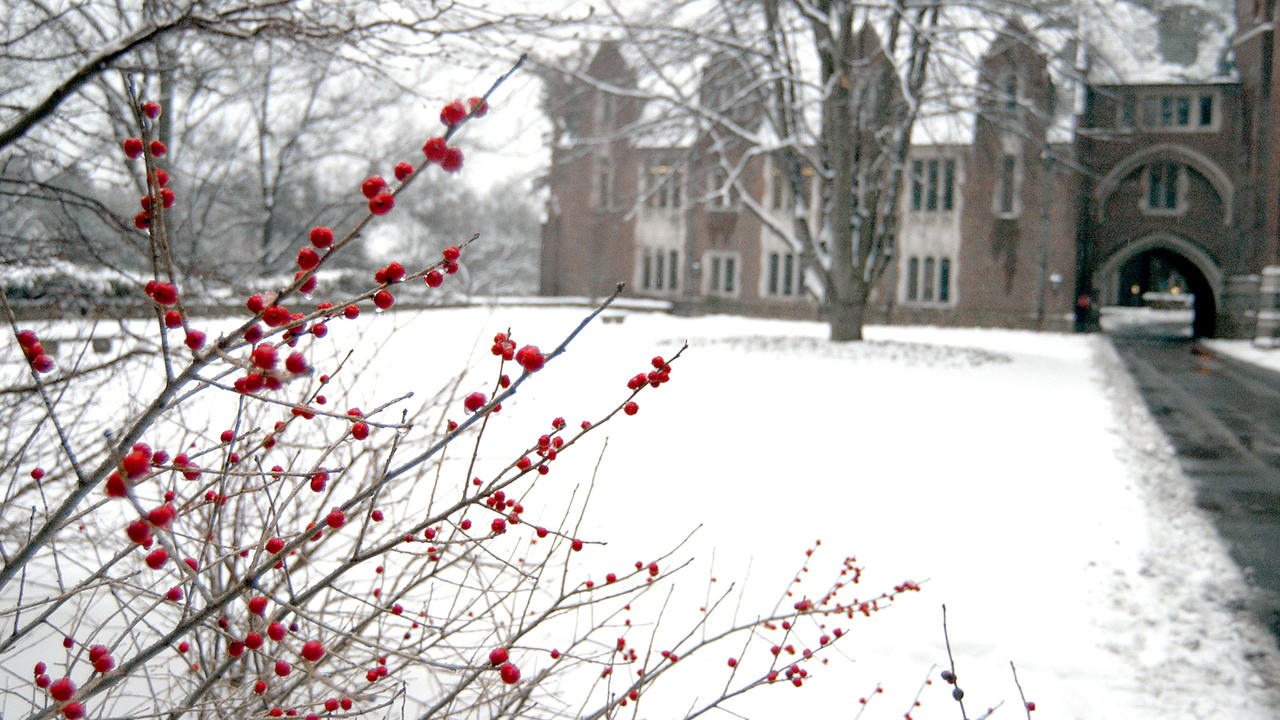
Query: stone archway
1205	279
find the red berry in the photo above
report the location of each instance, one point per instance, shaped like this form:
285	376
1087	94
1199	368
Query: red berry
451	160
139	532
382	204
453	113
395	272
257	605
296	363
631	408
161	177
158	149
42	363
530	358
255	303
733	662
260	687
497	656
276	315
372	186
479	108
576	545
360	430
351	312
165	293
308	259
27	339
195	339
465	524
1030	706
276	631
510	674
174	594
283	668
474	401
166	198
73	710
383	299
253	641
312	651
42	681
151	110
321	236
433	278
403	170
157	558
133	148
498	526
264	356
331	704
161	516
172	319
434	149
451	254
335	519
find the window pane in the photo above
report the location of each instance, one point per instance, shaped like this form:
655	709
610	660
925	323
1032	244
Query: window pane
1155	191
913	281
1206	109
776	201
1150	111
932	202
927	290
944	280
1166	111
1183	107
788	269
715	274
728	275
1171	186
675	188
773	273
647	271
1006	184
917	192
948	183
657	270
672	273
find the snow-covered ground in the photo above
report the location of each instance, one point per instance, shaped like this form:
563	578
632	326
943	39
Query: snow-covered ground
1247	350
1016	475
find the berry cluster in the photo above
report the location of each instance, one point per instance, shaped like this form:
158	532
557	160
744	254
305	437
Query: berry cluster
34	351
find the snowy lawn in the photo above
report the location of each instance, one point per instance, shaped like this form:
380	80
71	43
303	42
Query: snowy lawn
1017	476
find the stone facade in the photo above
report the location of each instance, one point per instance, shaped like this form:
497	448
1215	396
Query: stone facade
1021	226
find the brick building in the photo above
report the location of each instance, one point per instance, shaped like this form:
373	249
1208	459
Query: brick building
1138	187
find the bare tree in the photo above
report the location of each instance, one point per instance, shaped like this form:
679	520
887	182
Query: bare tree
827	95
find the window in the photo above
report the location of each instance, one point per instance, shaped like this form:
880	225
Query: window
781	278
806	188
1162	179
722	273
933	184
948	183
927	283
1127	114
662	186
608	106
931	200
917	187
723	194
1206	110
604	187
944	280
659	269
775	190
1178	111
658	186
1006	187
913	279
1011	95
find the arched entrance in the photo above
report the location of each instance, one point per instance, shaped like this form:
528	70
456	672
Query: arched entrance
1161	261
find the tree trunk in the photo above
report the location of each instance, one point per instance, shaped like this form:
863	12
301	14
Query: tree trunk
845	318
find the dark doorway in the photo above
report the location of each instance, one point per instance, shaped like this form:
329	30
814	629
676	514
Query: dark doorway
1175	294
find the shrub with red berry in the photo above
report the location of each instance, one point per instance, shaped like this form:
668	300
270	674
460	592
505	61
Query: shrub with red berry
221	538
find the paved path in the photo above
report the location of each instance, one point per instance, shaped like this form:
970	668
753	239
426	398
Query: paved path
1223	418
